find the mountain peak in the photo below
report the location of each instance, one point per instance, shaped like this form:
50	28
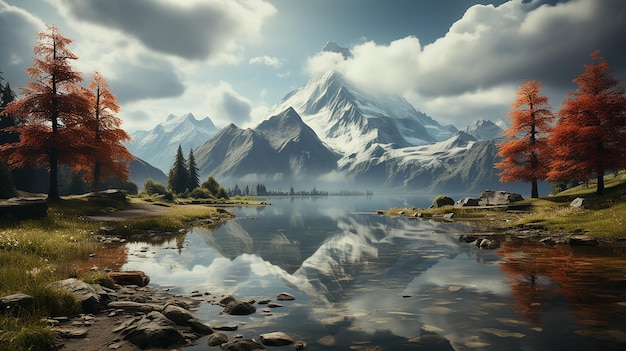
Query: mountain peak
332	46
483	129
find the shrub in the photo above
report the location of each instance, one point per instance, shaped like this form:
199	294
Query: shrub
200	193
222	193
151	187
443	200
55	302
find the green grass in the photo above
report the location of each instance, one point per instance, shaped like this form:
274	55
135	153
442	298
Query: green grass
605	218
34	253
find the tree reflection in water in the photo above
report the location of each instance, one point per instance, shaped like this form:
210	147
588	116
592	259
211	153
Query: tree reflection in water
591	281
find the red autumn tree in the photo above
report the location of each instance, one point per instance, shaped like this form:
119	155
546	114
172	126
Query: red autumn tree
525	156
51	113
590	136
108	156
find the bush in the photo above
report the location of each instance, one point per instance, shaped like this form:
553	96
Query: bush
222	193
200	193
153	188
55	302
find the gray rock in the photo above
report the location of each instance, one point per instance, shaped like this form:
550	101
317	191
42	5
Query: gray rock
199	327
498	198
283	296
178	315
242	345
131	306
152	330
226	300
487	244
276	339
23	208
70	332
217	339
580	203
466	202
239	308
583	241
16	303
448	216
84	293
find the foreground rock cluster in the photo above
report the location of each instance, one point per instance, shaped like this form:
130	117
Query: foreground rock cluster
150	319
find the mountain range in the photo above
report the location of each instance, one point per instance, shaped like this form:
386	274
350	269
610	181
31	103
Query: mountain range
158	146
330	133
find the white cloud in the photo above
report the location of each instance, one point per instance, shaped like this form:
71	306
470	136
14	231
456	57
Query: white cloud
485	53
194	30
225	105
266	60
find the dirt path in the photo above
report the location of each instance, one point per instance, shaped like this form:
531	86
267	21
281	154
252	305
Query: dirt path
133	211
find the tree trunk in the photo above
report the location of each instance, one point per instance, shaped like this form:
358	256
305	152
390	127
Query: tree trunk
534	192
53	187
96	177
600	188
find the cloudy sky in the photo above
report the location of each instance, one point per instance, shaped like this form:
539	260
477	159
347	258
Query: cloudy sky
456	60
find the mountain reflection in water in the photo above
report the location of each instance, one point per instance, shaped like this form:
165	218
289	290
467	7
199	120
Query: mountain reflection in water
368	282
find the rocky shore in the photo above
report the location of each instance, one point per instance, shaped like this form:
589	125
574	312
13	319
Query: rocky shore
133	317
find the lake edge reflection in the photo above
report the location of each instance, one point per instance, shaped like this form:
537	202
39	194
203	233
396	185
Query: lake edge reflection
365	280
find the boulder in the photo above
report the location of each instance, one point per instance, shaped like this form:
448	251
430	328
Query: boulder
217	339
225	300
23	208
466	202
487	244
498	198
86	294
138	278
131	306
580	203
199	327
283	296
448	216
441	201
15	303
583	241
151	331
178	315
239	308
276	339
242	345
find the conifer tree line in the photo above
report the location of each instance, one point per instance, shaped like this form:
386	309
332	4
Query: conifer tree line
586	138
183	179
58	122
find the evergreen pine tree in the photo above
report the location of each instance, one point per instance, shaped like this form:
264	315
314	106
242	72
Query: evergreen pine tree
178	177
194	180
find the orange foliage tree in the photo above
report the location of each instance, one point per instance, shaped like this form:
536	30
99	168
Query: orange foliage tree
52	113
525	156
590	136
108	156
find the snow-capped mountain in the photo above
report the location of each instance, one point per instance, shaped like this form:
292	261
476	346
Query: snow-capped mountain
351	120
280	148
158	146
484	130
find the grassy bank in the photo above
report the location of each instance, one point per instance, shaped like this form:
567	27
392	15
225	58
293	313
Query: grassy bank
605	217
34	253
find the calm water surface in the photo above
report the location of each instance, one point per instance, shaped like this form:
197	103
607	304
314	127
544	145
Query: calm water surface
368	282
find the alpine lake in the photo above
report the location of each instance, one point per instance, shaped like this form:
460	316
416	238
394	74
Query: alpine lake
363	281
